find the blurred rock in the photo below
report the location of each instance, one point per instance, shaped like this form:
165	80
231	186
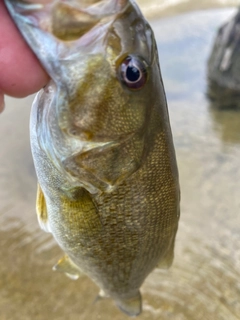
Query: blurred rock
224	66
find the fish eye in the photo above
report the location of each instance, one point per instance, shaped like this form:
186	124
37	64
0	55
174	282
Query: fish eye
133	72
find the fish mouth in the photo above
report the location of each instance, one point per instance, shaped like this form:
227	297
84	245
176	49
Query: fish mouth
62	30
67	20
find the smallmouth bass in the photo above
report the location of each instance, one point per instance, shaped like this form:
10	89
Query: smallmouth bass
101	143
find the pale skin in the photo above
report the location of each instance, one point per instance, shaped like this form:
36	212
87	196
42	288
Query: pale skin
21	73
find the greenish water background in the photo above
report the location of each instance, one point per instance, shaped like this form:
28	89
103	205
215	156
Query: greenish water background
203	283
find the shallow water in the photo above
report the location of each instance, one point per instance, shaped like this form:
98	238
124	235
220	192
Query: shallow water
163	8
203	283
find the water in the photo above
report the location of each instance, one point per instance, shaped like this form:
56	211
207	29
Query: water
203	283
163	8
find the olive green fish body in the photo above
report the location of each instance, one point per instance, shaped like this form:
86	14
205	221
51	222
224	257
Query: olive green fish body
102	144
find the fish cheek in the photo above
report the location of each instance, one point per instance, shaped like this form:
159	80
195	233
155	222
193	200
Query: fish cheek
108	114
97	107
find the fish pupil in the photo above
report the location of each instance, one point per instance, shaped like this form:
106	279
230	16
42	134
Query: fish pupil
133	74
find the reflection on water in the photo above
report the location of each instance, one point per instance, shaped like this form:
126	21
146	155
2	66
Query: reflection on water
226	124
204	280
223	71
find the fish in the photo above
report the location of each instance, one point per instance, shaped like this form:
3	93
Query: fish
108	185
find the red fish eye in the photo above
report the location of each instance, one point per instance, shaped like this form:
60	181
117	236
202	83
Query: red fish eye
133	72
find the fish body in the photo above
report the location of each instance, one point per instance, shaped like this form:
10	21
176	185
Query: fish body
102	144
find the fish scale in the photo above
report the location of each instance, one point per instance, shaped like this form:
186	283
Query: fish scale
102	144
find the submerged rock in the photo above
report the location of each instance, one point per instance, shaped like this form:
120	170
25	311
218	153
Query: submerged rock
224	66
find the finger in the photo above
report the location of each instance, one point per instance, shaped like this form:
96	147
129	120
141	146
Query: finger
21	72
2	103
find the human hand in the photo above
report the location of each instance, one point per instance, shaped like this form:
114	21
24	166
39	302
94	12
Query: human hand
21	73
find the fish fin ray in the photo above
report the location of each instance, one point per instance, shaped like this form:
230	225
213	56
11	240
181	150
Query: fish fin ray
67	266
102	295
131	306
41	209
167	260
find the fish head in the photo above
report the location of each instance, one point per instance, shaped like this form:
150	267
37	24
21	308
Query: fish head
102	58
108	80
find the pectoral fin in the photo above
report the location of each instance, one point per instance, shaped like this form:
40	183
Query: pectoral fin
41	209
67	266
166	262
102	295
131	306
